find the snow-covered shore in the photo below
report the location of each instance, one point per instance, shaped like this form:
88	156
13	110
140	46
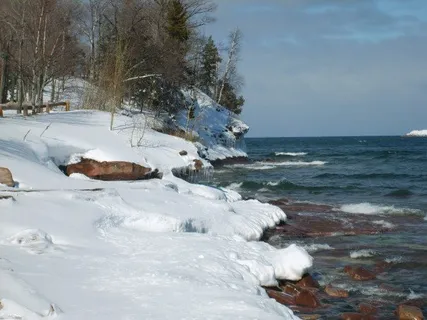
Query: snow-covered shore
76	248
417	133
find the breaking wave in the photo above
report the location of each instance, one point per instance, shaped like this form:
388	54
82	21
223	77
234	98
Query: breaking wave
290	154
368	208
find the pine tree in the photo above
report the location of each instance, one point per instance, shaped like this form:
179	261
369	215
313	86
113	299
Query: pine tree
177	21
209	74
230	100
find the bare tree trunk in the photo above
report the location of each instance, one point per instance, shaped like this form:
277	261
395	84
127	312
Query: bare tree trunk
233	52
3	82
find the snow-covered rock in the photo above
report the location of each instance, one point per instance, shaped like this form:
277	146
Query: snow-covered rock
417	133
220	131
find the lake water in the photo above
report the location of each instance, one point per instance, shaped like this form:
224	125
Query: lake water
383	178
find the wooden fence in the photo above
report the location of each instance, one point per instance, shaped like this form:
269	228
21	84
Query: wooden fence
38	108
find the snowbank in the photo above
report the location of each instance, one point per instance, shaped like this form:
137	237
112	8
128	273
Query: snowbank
417	133
86	249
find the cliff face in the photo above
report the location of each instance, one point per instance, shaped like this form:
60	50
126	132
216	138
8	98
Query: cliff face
220	132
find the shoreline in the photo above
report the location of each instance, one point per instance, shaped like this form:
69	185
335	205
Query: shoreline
320	300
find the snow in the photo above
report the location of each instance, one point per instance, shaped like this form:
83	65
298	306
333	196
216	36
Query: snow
76	248
220	131
417	133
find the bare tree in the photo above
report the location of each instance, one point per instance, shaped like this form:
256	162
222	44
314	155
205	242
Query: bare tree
230	70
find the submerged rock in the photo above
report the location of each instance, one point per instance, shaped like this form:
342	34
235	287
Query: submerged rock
6	177
367	308
357	316
336	292
111	171
359	273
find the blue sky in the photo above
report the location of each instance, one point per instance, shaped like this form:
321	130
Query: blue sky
330	67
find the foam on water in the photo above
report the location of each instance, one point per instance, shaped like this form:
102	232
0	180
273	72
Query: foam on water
316	247
294	163
291	154
364	253
384	224
368	208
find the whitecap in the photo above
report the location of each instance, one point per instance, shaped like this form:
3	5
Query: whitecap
291	154
234	186
316	247
396	259
412	295
384	224
364	253
368	208
293	163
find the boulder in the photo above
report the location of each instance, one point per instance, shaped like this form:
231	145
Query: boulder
6	177
359	273
307	281
307	298
183	153
336	292
281	297
111	171
405	312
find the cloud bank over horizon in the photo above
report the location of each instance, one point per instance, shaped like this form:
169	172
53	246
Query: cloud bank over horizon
329	67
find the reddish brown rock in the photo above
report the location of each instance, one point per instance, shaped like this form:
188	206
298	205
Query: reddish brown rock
290	288
307	298
307	281
198	164
356	316
336	292
359	273
405	312
367	308
110	171
281	297
6	177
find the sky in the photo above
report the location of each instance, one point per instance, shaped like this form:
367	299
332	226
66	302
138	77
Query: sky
330	67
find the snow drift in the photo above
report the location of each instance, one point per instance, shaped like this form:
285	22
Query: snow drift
86	249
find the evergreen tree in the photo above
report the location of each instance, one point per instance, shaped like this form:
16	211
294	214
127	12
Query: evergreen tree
177	21
230	100
209	74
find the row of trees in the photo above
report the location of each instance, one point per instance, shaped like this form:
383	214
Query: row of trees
144	51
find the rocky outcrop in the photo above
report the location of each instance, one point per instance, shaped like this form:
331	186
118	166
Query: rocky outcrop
6	177
112	171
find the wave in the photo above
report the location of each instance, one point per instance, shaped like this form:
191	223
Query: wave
294	163
266	165
364	253
290	154
310	248
368	208
400	193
